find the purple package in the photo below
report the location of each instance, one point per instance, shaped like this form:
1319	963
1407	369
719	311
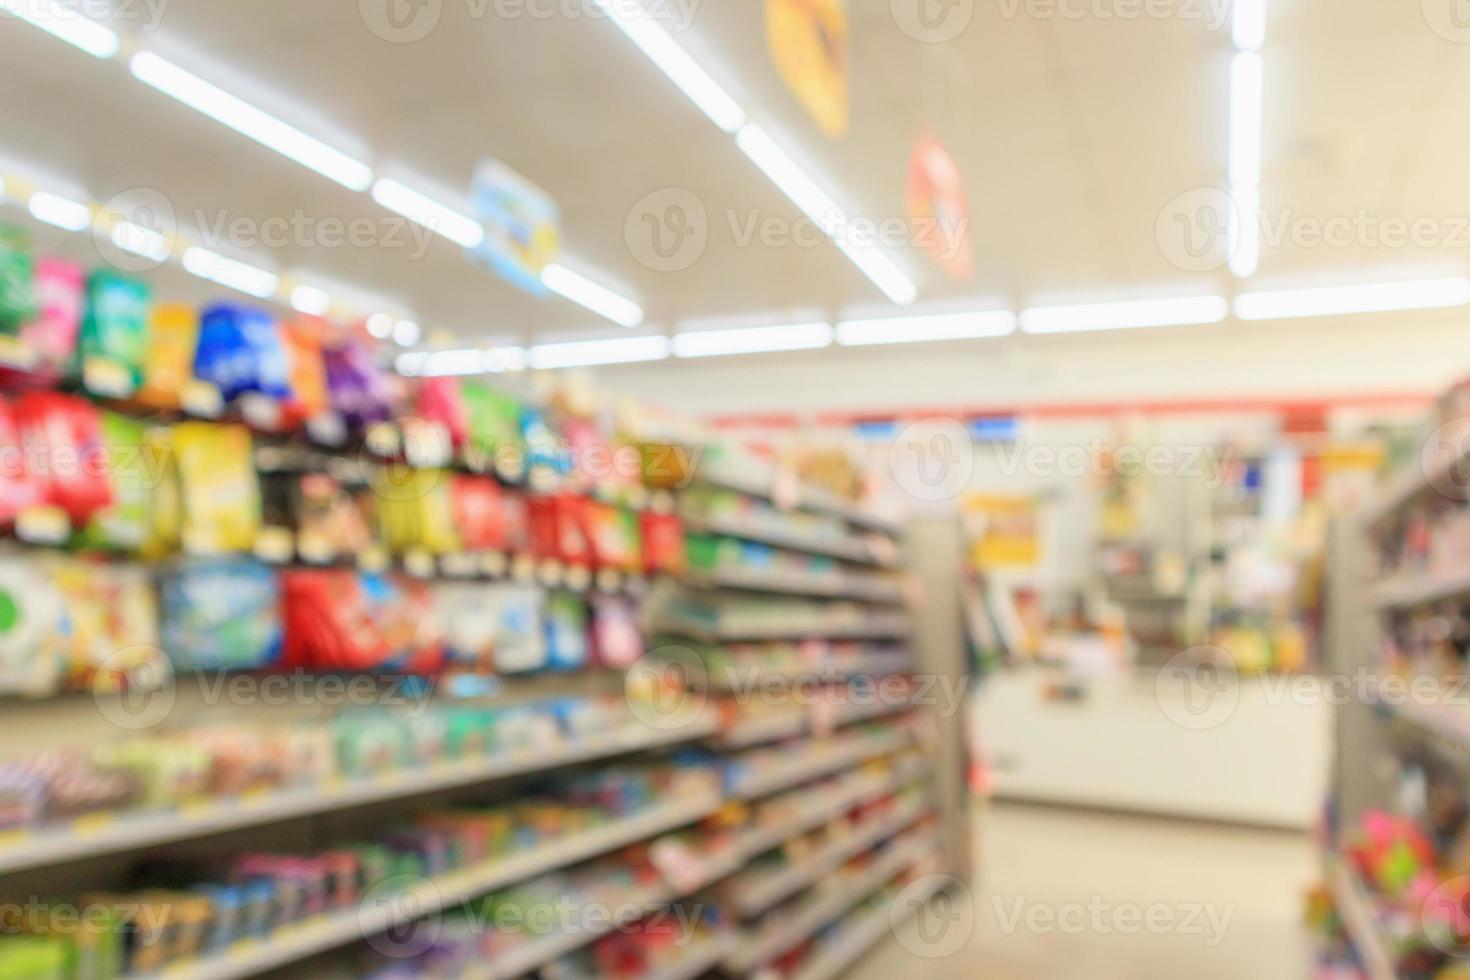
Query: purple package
357	389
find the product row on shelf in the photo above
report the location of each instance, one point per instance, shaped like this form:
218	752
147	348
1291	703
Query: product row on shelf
813	852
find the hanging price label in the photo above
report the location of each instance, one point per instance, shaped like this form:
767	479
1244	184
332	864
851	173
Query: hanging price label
201	399
106	377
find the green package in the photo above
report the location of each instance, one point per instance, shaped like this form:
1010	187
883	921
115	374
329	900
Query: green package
494	427
124	525
115	330
17	279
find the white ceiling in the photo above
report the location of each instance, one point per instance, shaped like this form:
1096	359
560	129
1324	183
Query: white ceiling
1072	134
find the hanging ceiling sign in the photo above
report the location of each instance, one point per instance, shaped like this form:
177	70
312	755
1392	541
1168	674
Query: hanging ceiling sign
522	225
939	208
809	43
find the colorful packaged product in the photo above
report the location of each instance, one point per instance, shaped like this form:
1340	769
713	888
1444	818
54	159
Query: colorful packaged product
221	614
17	278
62	441
521	637
114	342
338	619
357	388
52	333
111	622
173	342
33	647
303	337
566	631
220	495
469	625
240	351
133	471
19	489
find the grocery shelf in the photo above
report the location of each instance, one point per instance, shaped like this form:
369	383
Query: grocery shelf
697	960
763	485
1362	922
842	548
762	890
804	721
827	904
871	626
758	840
864	588
735	675
862	934
1417	590
106	833
328	932
544	949
801	770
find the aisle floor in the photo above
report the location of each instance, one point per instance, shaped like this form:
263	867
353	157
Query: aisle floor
1069	895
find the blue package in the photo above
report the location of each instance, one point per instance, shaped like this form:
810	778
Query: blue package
221	614
566	631
240	351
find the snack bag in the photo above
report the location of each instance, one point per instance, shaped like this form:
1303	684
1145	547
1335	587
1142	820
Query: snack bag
17	277
566	631
480	513
521	635
19	488
123	524
357	389
165	525
62	441
221	614
173	341
111	622
221	497
493	430
33	649
52	334
240	351
114	340
302	338
470	626
440	403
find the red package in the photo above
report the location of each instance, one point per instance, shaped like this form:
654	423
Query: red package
440	402
663	544
337	619
556	529
480	513
61	440
18	489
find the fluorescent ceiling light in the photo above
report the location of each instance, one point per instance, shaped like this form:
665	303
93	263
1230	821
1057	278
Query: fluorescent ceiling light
1245	119
1123	316
137	240
311	301
229	272
244	118
59	211
1372	298
586	353
584	292
499	359
60	22
1245	232
460	363
814	202
916	329
752	340
423	210
634	21
380	325
1249	24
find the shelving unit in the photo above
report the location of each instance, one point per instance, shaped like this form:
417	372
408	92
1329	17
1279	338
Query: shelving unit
866	932
1361	920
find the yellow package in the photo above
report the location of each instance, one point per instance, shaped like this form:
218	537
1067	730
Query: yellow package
168	366
165	499
221	499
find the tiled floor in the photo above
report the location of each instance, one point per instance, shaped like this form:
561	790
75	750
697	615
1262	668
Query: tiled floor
1074	895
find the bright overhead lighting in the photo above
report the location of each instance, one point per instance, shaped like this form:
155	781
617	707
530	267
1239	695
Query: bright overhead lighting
380	325
229	272
499	359
311	301
675	62
60	22
138	240
460	363
1127	315
1249	24
1372	298
1245	232
406	333
915	329
587	353
814	202
247	120
59	211
441	219
1245	119
752	340
584	292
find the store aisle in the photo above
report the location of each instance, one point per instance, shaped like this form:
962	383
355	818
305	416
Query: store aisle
1070	895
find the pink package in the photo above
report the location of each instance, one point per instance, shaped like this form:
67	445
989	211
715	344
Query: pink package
59	297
